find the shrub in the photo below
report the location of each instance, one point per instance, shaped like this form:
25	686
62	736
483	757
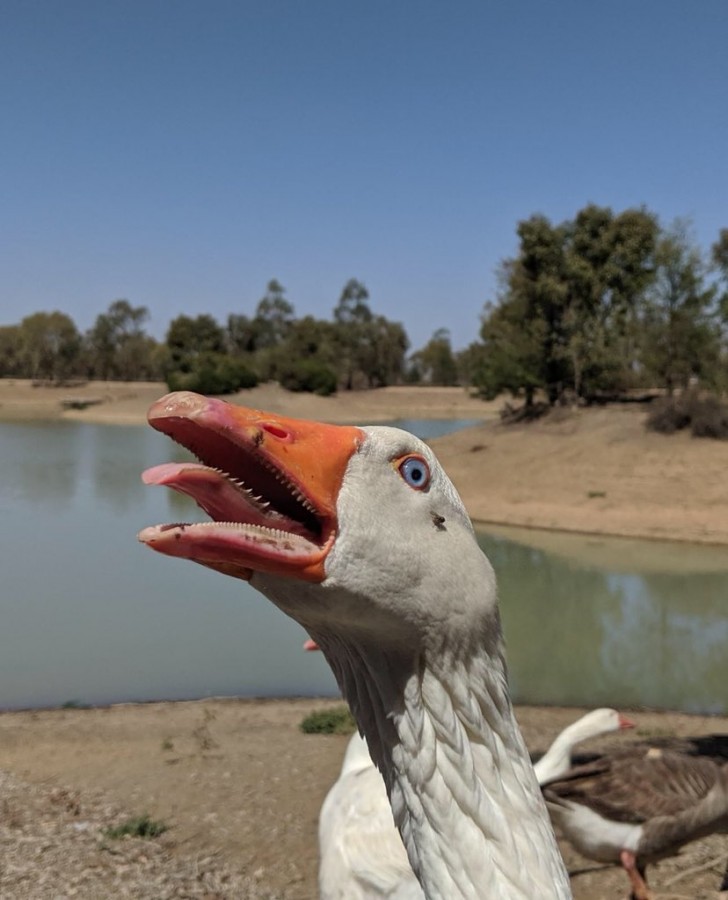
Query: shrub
706	416
329	721
710	418
667	415
141	827
212	373
309	375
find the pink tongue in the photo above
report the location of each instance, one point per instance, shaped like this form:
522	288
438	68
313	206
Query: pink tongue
165	473
213	492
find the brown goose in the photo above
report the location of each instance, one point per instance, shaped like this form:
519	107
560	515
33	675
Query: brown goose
641	804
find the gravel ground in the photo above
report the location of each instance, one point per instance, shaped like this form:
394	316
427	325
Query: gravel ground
240	787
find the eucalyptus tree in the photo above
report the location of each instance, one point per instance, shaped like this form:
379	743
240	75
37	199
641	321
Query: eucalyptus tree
435	362
188	338
352	317
371	348
11	363
117	345
382	353
566	304
680	334
49	346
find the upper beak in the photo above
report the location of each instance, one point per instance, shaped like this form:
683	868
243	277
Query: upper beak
270	482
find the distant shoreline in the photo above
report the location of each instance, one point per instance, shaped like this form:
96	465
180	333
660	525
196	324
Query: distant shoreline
590	471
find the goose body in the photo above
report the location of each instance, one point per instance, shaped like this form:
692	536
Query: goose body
638	805
361	853
358	534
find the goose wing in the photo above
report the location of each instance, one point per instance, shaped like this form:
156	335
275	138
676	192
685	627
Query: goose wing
633	787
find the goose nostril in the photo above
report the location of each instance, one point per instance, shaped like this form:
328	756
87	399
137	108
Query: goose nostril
277	432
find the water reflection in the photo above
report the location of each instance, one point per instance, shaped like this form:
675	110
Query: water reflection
33	469
89	614
581	635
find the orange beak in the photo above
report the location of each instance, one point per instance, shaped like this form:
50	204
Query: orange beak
269	483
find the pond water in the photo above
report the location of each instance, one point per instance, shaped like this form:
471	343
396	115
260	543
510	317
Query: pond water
89	615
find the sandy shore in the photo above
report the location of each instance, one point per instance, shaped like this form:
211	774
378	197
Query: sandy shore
240	788
593	470
236	781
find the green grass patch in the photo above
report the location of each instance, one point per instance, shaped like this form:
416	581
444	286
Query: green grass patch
139	826
337	720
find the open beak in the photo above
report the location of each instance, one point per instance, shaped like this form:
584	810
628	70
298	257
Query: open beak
624	722
269	483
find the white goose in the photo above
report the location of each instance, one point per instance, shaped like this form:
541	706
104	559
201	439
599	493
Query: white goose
362	856
358	534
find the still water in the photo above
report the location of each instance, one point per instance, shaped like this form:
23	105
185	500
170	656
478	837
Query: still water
89	615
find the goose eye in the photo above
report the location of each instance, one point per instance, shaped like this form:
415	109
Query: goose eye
415	472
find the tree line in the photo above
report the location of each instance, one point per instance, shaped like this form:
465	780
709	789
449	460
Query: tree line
590	308
356	348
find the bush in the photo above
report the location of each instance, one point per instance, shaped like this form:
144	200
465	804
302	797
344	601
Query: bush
667	415
141	827
710	418
309	375
705	416
329	721
212	373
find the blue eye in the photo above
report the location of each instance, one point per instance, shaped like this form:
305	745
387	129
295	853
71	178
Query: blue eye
415	472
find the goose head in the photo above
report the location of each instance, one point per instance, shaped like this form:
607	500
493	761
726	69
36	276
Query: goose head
355	532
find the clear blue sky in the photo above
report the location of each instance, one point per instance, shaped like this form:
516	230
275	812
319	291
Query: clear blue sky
181	154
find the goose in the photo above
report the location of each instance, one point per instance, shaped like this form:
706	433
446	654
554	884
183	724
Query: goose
357	533
362	856
640	804
361	853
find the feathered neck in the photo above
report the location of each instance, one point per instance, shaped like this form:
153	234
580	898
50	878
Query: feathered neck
557	758
462	789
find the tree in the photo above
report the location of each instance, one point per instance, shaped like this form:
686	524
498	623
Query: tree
11	362
241	335
50	345
512	357
352	316
273	317
382	351
609	264
312	338
561	321
435	361
272	323
118	346
187	338
680	337
308	357
719	255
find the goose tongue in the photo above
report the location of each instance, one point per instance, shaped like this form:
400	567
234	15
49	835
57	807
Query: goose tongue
221	498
